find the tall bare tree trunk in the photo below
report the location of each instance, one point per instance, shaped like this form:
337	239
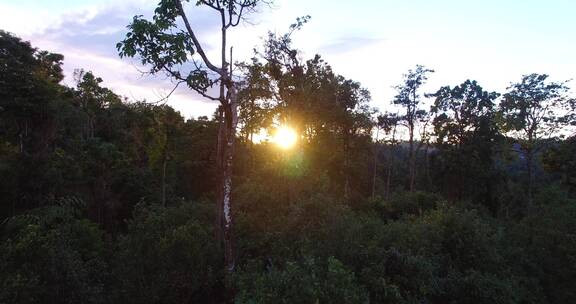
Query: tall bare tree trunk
412	160
346	171
530	171
231	121
427	167
374	173
390	162
221	143
388	177
164	162
231	14
21	143
250	145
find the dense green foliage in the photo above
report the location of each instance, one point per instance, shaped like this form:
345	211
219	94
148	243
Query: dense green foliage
108	201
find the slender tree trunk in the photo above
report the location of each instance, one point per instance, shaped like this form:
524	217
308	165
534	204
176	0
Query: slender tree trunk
346	171
530	169
225	154
21	143
375	164
390	163
231	121
460	181
388	178
412	160
164	162
250	146
427	167
220	176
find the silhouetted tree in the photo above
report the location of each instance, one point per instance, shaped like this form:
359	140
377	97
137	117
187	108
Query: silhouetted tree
535	109
388	122
167	48
466	133
410	99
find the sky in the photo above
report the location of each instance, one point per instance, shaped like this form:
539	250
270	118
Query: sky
373	42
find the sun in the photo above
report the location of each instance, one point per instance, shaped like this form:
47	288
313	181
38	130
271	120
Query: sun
285	137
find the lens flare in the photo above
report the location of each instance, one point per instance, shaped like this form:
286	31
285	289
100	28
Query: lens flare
285	137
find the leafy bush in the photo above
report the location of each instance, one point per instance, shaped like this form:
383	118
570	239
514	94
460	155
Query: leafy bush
308	281
52	256
407	203
548	244
169	255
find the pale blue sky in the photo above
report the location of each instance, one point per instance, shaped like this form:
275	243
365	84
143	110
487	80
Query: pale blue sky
374	42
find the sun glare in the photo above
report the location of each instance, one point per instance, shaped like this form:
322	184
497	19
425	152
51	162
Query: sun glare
285	137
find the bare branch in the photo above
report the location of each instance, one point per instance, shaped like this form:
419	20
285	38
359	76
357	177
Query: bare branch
239	17
206	95
211	5
181	79
165	98
195	40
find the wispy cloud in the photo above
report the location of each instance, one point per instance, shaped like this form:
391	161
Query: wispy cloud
87	37
345	44
489	41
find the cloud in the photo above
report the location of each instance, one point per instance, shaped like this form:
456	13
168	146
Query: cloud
347	36
87	37
345	44
86	33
